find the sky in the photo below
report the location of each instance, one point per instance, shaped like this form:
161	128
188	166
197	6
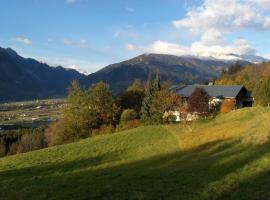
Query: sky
90	34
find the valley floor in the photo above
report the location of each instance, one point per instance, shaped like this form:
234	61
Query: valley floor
226	158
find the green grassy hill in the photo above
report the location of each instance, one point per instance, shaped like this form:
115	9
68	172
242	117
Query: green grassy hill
226	158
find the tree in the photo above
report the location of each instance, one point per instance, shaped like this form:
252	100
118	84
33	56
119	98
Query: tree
262	92
157	84
151	89
99	108
133	97
130	100
199	102
128	115
136	86
234	68
164	101
86	111
145	111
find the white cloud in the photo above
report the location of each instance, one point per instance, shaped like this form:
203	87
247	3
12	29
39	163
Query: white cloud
200	48
212	22
226	16
239	46
77	43
161	47
266	56
23	40
164	47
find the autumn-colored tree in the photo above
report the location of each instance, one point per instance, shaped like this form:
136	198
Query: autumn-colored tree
227	105
86	111
199	102
164	101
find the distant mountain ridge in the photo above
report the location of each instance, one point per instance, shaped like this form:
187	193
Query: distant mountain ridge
235	57
27	79
176	69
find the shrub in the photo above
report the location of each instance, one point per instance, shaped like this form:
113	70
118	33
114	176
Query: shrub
227	106
169	118
2	147
104	129
31	141
54	134
129	125
128	115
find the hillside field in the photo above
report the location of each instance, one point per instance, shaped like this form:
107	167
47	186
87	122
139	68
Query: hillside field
225	158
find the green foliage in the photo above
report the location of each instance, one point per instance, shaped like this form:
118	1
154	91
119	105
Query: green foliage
136	86
152	88
163	101
86	112
128	115
261	92
234	68
130	100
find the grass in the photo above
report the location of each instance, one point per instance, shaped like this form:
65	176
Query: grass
226	158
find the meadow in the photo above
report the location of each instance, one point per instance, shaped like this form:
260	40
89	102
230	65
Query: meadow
224	158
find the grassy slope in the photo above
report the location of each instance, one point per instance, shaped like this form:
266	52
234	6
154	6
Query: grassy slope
227	158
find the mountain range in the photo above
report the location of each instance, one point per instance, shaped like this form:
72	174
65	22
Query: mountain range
175	69
27	79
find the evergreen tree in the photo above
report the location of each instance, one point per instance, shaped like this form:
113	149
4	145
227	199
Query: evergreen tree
152	88
262	92
146	104
157	84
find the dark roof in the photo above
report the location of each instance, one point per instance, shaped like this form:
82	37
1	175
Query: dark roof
221	91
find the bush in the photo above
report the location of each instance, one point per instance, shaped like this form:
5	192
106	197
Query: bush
21	140
2	147
104	129
128	115
54	134
227	106
31	141
129	125
169	118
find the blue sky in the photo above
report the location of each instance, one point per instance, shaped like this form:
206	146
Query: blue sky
89	34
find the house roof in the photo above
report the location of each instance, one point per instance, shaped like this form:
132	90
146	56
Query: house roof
221	91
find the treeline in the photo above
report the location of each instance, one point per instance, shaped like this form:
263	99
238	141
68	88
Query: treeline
21	141
96	111
255	78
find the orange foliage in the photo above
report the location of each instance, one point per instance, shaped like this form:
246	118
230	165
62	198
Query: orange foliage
227	105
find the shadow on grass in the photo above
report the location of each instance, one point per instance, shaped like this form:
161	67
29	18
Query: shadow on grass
180	175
